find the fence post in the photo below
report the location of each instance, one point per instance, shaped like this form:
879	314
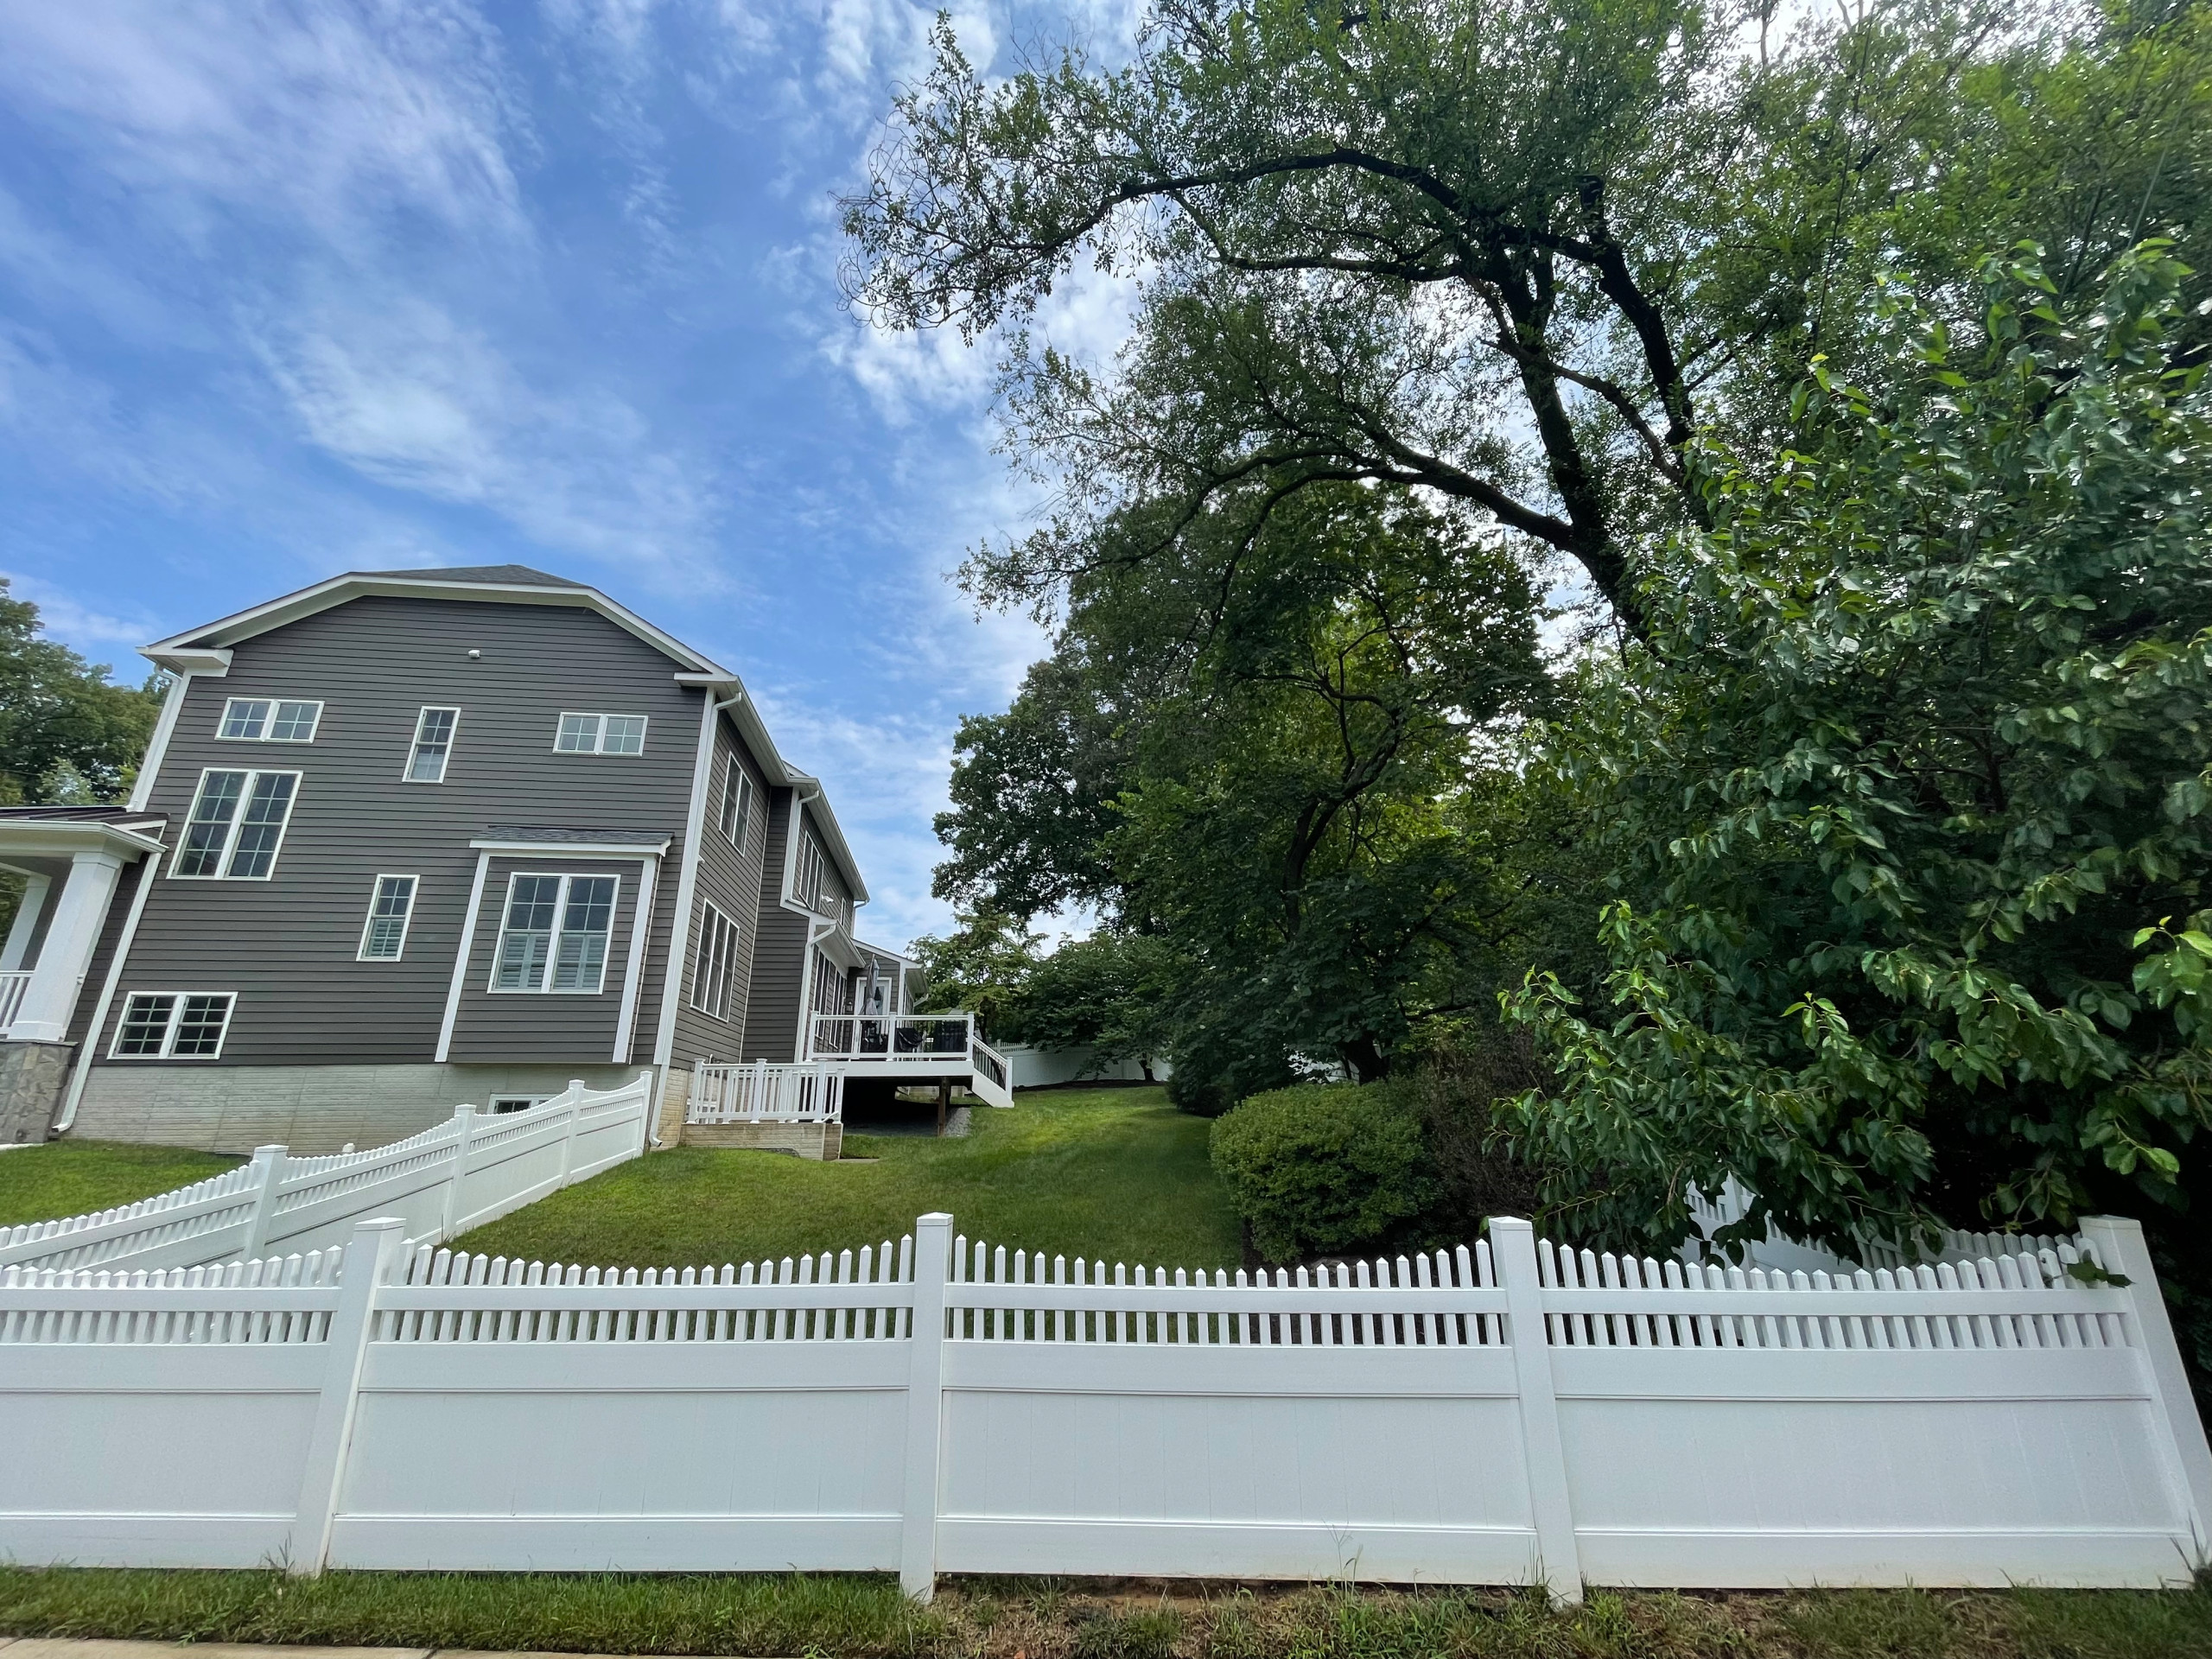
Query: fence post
573	1099
2121	1250
1513	1247
924	1408
369	1257
268	1168
464	1118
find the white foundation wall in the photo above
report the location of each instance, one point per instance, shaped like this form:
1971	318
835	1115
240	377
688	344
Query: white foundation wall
309	1108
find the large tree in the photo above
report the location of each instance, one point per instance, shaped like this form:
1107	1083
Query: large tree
67	732
1512	251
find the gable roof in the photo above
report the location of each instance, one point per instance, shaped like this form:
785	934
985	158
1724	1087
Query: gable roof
207	650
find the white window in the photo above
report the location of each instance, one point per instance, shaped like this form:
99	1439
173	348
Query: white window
267	720
737	814
433	747
173	1025
553	935
237	825
716	966
383	936
600	735
810	887
504	1104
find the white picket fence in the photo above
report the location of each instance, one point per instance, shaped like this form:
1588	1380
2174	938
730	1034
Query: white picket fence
1506	1413
471	1169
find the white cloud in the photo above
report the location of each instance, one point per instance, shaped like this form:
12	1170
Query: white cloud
412	398
101	635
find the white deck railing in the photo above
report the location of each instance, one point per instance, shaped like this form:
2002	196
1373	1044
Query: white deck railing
912	1044
14	986
761	1093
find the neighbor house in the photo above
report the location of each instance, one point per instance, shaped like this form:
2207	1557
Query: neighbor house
409	838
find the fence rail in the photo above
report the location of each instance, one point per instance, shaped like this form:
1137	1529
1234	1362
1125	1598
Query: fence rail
762	1093
471	1169
1506	1412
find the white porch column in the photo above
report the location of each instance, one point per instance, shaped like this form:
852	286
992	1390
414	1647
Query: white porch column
26	923
65	954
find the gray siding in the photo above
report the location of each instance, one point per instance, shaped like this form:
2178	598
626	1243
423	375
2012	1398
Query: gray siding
287	946
729	878
779	956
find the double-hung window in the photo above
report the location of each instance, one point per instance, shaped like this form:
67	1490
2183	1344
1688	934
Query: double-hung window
811	886
383	936
716	966
600	735
737	814
173	1025
237	824
269	720
553	935
433	745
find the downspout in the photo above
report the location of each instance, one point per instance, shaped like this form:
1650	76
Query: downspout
151	869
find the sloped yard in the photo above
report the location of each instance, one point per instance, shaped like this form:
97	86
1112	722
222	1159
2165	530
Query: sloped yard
1112	1173
71	1178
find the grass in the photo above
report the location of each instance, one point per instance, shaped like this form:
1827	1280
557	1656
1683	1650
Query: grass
1112	1173
69	1178
865	1617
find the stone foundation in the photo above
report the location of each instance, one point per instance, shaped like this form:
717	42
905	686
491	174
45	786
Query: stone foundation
310	1108
818	1141
31	1079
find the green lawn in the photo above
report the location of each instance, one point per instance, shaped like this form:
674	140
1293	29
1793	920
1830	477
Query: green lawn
69	1178
1116	1174
865	1617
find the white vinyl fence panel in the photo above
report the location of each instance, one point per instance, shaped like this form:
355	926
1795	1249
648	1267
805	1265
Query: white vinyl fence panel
1506	1412
472	1168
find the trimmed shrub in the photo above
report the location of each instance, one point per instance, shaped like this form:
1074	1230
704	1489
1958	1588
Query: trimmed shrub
1325	1167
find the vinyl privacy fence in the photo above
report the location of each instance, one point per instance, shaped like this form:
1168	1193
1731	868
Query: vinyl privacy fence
472	1168
1504	1413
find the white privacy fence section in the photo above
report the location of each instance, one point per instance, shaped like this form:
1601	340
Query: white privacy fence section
762	1093
1503	1413
471	1169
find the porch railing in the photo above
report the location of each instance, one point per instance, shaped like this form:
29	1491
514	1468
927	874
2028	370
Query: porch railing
761	1093
892	1037
14	986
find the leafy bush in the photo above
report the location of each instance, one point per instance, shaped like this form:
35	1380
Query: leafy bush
1324	1167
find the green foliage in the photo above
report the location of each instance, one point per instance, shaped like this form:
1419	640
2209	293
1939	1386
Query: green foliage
1107	992
1909	800
74	1178
67	733
1322	1168
982	967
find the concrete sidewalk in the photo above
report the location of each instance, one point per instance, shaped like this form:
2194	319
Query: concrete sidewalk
41	1647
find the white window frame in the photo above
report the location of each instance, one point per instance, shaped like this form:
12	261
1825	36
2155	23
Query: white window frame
716	927
224	735
406	917
414	743
598	722
229	848
811	872
567	879
733	813
501	1105
167	1051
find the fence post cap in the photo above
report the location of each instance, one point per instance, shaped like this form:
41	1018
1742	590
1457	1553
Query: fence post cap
936	1218
464	1109
576	1085
1510	1224
380	1224
266	1155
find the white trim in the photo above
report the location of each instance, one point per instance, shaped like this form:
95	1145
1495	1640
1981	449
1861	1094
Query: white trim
254	775
314	726
415	742
573	848
633	970
141	786
491	986
406	916
711	912
83	1070
209	642
168	1032
461	958
687	885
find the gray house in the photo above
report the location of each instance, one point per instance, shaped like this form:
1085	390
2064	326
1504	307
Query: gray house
409	838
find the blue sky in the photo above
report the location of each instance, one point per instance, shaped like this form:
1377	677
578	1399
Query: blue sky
288	290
